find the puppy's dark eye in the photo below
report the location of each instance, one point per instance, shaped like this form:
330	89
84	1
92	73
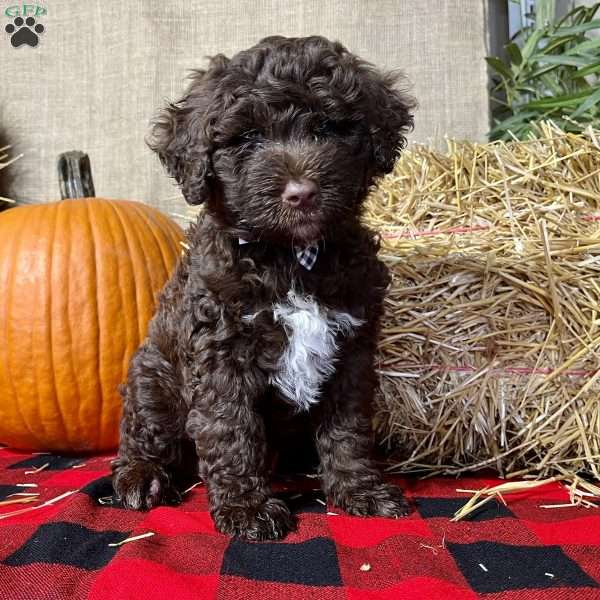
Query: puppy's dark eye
330	128
244	140
251	136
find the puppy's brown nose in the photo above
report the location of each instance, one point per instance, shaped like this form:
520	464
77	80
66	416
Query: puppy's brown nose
301	193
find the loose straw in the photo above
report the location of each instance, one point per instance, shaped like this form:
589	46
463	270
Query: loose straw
29	509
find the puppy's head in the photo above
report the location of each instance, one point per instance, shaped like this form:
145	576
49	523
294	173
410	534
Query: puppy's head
283	140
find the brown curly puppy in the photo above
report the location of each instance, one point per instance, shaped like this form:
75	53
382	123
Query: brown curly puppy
265	334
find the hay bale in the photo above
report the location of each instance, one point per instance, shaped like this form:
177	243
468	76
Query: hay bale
490	346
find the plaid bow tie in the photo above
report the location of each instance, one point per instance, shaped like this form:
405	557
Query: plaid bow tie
306	255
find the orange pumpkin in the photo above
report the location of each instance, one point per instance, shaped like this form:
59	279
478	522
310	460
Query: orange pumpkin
79	280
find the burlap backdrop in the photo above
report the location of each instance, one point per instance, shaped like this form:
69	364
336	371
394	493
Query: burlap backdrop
103	68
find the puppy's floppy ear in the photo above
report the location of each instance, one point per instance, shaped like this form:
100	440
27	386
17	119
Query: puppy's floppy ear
390	118
181	135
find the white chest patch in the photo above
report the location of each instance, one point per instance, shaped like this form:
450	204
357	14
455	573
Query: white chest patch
309	358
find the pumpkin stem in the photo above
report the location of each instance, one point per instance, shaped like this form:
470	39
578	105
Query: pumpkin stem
75	175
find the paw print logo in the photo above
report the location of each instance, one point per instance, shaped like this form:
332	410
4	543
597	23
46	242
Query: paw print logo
24	32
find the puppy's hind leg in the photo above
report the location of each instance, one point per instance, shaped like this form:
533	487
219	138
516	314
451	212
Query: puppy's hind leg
152	430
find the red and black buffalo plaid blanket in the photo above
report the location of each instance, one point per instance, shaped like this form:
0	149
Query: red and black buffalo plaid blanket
72	547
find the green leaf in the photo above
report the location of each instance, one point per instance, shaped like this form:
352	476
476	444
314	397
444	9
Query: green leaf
575	17
552	83
561	59
514	53
589	103
552	44
559	101
499	66
542	71
584	47
587	70
578	28
500	103
514	121
531	43
526	89
555	43
520	131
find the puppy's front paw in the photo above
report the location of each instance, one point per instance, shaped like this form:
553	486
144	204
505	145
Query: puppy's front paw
270	520
382	500
142	485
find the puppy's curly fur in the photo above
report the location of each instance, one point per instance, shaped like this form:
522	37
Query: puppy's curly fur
288	109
